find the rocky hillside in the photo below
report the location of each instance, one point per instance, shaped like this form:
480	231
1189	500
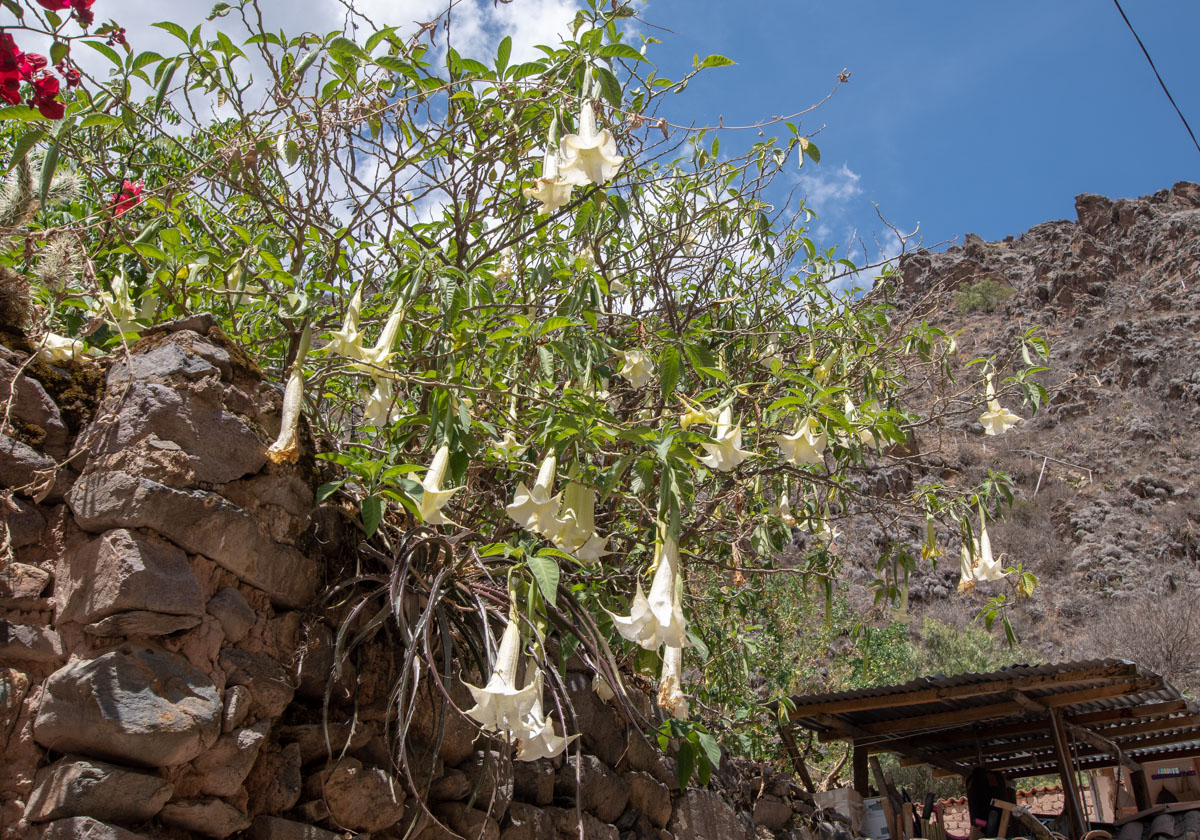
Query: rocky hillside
1107	476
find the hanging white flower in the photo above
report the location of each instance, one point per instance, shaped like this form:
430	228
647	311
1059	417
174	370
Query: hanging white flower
534	508
670	685
538	739
638	368
783	509
380	409
347	342
977	562
865	436
576	532
726	453
602	688
695	414
996	420
500	705
589	157
658	620
287	446
805	445
771	358
434	498
551	189
378	356
617	289
508	445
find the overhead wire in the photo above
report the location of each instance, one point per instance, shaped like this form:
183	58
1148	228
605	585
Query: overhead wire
1158	76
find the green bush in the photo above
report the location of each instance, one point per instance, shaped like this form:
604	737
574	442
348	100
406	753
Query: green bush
983	296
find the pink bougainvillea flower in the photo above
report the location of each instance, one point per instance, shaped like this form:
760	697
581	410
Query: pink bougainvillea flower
129	197
83	11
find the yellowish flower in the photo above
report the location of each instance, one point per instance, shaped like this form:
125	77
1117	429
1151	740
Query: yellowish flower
378	356
576	532
783	509
637	368
501	706
538	739
347	342
588	156
508	445
670	686
695	414
434	498
805	445
287	446
534	508
54	348
865	436
726	453
658	620
996	420
551	189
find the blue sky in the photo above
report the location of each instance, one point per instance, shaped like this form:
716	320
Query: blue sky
982	117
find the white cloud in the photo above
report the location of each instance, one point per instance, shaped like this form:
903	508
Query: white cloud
823	189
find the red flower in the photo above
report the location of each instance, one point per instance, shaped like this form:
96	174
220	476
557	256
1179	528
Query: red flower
44	91
69	73
129	196
81	8
54	5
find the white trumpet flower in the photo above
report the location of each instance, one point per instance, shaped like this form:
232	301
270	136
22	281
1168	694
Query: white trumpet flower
637	368
378	356
602	688
500	705
287	446
670	686
727	452
588	156
534	508
865	436
805	445
996	420
380	408
552	190
508	445
977	561
54	348
434	498
783	509
576	532
347	342
659	620
538	739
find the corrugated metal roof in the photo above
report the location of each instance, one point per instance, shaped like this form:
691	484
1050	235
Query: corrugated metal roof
999	719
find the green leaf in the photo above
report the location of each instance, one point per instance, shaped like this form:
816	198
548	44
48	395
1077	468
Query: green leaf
107	120
557	322
502	54
342	46
372	514
48	167
328	489
712	750
219	10
175	29
715	61
609	86
687	761
164	84
58	51
28	140
304	63
21	112
620	51
108	52
545	572
527	69
669	366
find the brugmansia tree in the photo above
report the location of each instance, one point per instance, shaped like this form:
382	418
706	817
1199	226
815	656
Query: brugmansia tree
582	371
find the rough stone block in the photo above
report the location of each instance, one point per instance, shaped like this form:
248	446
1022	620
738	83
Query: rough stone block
141	623
651	797
533	781
230	608
268	681
32	410
600	789
363	798
467	822
29	643
223	768
138	704
80	787
526	822
276	828
202	523
209	817
86	828
704	815
124	571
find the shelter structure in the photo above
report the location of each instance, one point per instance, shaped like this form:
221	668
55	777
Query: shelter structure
1022	721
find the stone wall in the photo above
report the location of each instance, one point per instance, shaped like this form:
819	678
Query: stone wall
163	667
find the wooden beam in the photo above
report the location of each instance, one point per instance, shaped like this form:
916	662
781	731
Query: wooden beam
1008	708
1066	772
862	782
1002	747
1040	768
1091	751
789	743
957	692
1141	790
968	734
1082	733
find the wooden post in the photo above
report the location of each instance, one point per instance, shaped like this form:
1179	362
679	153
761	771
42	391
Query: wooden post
789	743
1141	790
1066	771
861	774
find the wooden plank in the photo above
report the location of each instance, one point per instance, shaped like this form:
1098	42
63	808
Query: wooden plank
957	692
1066	772
1091	751
1008	708
1040	768
1122	730
1141	790
862	782
789	743
968	734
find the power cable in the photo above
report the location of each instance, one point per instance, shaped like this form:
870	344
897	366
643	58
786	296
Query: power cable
1161	83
